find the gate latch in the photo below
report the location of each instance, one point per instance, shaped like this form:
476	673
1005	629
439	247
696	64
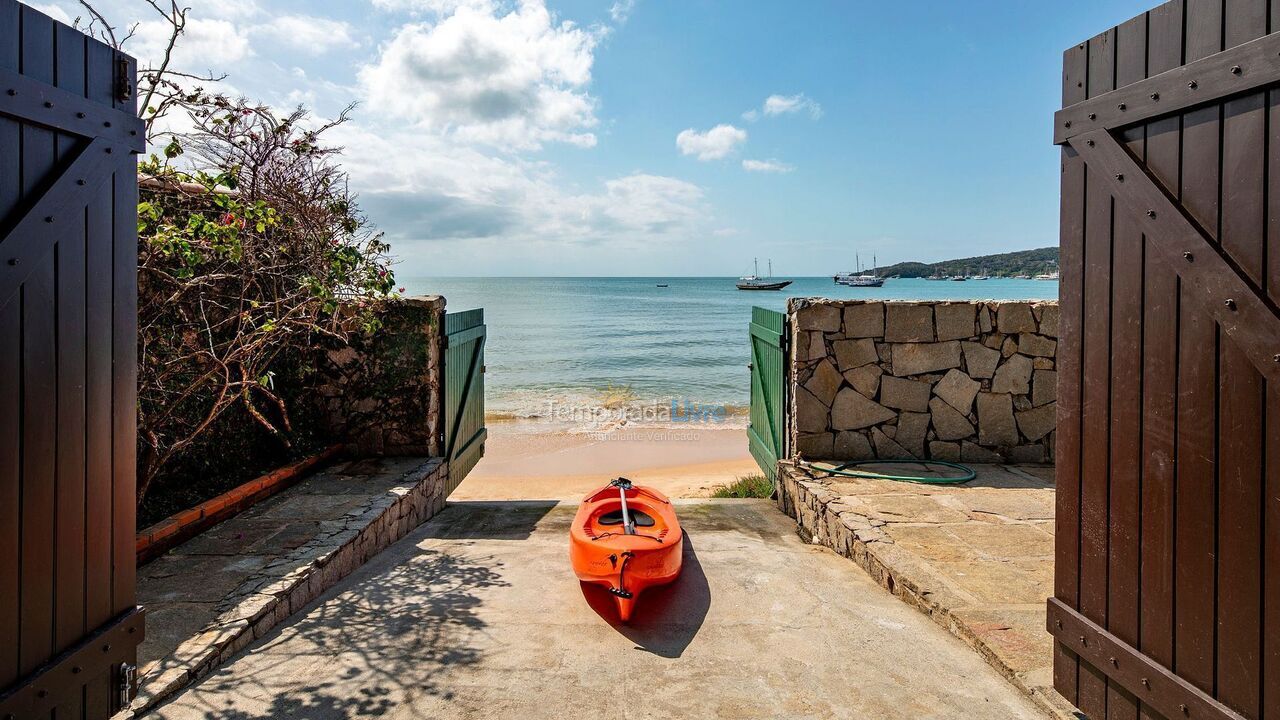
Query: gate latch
128	676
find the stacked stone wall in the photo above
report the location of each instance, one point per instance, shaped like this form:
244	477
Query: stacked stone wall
383	391
969	381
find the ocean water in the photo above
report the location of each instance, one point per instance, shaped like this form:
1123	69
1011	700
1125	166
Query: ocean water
562	348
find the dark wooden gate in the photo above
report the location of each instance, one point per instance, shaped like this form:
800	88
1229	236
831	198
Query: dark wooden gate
464	430
1167	589
68	252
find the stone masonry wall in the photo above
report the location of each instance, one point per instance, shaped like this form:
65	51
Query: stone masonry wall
383	391
968	381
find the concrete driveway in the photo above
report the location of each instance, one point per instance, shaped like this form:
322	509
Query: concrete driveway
478	615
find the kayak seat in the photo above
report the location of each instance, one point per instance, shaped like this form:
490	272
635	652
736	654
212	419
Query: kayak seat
615	518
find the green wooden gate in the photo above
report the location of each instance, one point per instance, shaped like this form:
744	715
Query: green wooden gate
464	431
767	435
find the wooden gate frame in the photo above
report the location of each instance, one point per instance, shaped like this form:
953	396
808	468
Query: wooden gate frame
1223	290
767	447
464	429
109	135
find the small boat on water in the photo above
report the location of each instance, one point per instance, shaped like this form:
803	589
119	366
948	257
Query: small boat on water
1047	276
858	278
626	538
755	282
663	285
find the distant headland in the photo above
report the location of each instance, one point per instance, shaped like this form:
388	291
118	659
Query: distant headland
1023	262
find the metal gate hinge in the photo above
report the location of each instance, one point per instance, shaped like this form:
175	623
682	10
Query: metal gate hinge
127	678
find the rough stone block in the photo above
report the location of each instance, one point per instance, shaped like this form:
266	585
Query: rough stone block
811	414
912	428
853	411
823	316
984	320
904	394
1015	317
864	320
972	452
815	445
1043	363
1038	422
1009	348
948	423
981	361
948	451
1044	387
954	321
918	358
853	445
958	390
854	353
810	346
887	448
1028	454
1037	345
825	382
865	379
1013	376
908	322
996	427
1049	317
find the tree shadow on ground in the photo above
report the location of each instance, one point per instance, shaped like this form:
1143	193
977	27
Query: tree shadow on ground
363	649
666	618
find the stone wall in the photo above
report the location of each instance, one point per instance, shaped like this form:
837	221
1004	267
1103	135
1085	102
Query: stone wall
382	392
971	381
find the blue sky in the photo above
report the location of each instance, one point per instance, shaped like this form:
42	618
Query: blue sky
594	137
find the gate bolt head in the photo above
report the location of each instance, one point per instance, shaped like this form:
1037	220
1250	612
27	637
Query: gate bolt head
1120	177
1151	213
1155	96
1122	106
1089	143
1114	663
14	262
1230	303
1183	708
1146	683
12	92
1193	84
1188	256
48	104
1235	70
1066	124
1275	358
1093	116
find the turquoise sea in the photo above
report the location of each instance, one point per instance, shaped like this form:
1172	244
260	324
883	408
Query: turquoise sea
583	342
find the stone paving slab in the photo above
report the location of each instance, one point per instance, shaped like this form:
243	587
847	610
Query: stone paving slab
477	615
977	558
214	594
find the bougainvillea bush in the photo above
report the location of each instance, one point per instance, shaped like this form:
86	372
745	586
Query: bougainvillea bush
252	250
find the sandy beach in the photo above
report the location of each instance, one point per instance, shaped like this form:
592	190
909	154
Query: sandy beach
531	460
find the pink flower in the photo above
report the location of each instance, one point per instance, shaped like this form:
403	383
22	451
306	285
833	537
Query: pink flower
401	291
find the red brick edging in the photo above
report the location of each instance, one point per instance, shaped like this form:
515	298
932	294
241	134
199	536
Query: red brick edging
176	529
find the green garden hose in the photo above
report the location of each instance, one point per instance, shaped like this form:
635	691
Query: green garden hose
842	469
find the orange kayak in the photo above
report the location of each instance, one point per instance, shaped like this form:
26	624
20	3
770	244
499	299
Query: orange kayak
626	545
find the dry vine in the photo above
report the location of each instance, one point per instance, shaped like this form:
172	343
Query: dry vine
251	246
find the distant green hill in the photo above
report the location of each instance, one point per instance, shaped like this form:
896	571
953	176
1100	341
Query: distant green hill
1023	262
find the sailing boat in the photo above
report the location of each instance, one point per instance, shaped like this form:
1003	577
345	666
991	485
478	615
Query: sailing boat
755	282
859	278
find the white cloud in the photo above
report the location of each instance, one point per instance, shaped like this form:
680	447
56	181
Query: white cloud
621	10
432	7
53	11
767	166
714	144
311	35
513	80
426	189
785	105
205	44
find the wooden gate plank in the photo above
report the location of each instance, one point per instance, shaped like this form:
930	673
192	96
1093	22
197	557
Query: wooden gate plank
124	384
1067	470
1270	623
39	427
1126	395
1159	370
1196	492
1240	389
10	370
1096	394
